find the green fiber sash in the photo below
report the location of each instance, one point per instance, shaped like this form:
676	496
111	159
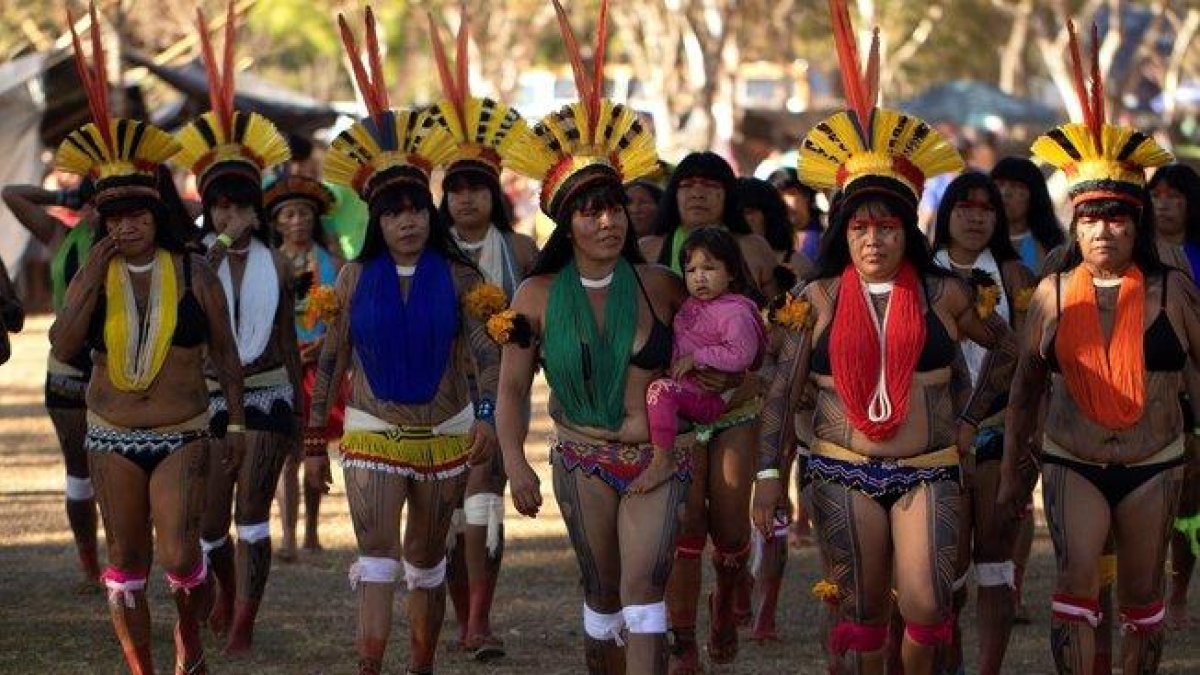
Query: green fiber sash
587	369
67	260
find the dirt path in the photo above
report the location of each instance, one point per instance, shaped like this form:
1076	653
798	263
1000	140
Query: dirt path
307	621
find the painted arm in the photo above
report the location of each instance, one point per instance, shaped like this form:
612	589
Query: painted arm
993	333
68	335
285	323
29	202
517	366
1026	398
335	353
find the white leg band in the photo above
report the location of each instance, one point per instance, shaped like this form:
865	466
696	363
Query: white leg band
425	577
486	509
374	571
643	619
208	546
457	527
996	574
603	626
254	532
79	489
961	582
121	592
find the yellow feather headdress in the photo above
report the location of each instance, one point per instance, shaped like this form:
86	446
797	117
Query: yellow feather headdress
1100	160
122	156
225	139
867	147
586	142
484	129
388	146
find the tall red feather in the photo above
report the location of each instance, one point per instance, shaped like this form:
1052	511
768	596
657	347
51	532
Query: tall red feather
582	82
1090	119
598	55
872	76
100	63
96	92
376	59
462	63
1097	88
857	96
365	87
227	86
215	95
443	63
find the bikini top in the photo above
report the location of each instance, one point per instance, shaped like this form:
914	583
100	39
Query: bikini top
1161	348
656	353
938	352
191	325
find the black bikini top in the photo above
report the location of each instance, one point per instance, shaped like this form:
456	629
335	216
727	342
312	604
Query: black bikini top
1161	348
938	352
191	325
656	353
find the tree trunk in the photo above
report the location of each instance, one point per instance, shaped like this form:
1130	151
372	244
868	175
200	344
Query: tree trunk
1012	55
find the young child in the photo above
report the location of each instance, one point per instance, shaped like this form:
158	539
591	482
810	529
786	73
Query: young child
717	328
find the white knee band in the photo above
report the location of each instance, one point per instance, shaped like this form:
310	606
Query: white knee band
121	587
424	577
642	619
254	532
374	571
961	582
603	626
209	546
486	509
79	489
996	574
457	527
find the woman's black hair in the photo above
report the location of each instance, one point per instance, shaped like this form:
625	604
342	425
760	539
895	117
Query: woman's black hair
397	198
720	245
708	165
656	192
238	189
1184	180
754	193
959	190
1145	251
1042	221
173	230
559	250
787	178
501	212
835	249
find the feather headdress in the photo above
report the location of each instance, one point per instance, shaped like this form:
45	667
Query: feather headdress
484	129
223	139
121	155
589	141
867	146
388	146
290	187
1100	160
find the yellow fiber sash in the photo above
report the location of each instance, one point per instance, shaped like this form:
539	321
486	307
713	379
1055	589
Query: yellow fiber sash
132	366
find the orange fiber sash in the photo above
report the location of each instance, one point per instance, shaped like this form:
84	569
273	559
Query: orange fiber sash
1108	385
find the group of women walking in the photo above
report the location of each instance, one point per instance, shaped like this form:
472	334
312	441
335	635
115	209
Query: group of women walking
916	392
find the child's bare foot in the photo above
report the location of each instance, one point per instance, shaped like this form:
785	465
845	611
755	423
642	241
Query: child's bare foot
660	469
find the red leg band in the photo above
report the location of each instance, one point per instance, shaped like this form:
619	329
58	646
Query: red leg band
848	636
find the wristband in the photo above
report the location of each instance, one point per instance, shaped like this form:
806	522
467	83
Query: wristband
767	473
235	429
485	411
225	240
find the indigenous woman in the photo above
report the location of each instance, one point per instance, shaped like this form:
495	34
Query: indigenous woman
1175	192
228	151
767	215
803	211
66	382
971	240
598	322
411	431
295	204
474	209
1032	225
643	196
876	334
1109	332
149	312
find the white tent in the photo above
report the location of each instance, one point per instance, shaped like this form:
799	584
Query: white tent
21	106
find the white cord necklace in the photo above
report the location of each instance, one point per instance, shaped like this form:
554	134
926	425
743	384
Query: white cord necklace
1106	283
879	408
603	282
141	269
406	270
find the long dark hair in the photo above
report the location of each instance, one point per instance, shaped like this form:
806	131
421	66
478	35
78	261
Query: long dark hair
835	249
398	198
1145	252
754	193
1043	223
238	189
1183	179
501	214
720	245
559	250
173	230
787	178
708	165
959	190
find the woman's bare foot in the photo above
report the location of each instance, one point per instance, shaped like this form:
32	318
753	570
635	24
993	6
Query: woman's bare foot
660	469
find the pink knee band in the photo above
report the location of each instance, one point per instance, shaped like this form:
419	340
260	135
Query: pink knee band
189	581
689	547
848	636
1076	610
121	585
1143	620
931	635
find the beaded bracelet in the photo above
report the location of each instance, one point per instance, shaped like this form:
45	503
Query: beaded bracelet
235	429
485	411
316	443
225	240
766	474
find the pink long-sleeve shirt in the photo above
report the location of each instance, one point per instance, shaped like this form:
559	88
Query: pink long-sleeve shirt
725	333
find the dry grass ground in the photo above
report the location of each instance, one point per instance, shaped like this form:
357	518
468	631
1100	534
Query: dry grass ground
307	621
